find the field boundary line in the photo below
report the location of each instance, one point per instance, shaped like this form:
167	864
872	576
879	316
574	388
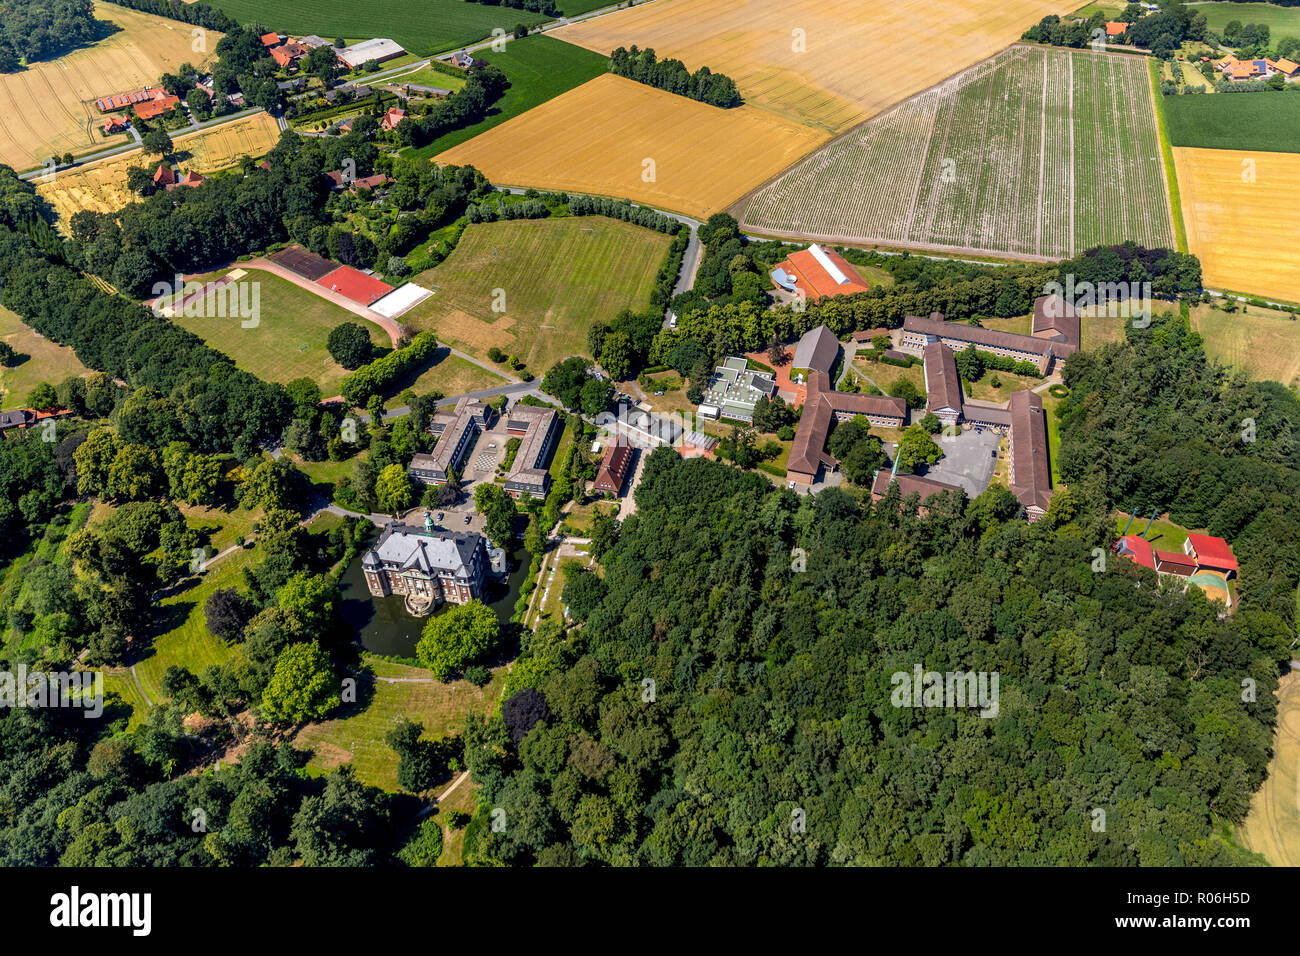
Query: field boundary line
1173	198
1042	159
1074	199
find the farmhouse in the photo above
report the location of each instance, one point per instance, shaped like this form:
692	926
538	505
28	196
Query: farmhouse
164	176
121	101
428	566
271	39
537	428
817	273
312	41
1288	68
462	59
1115	29
1042	350
116	124
24	417
155	107
191	178
613	469
456	431
942	384
379	49
392	118
734	389
287	55
1031	476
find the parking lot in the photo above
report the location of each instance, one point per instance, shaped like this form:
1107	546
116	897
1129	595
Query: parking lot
968	459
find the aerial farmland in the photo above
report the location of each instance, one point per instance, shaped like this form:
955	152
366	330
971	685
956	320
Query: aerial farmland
1035	153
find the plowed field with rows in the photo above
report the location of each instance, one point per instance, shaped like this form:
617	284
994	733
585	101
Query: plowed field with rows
1035	153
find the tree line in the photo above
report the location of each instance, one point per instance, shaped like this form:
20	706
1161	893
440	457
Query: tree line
34	30
704	86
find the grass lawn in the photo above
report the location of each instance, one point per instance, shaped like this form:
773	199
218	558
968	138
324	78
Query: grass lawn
1268	122
1281	21
558	277
887	376
289	339
579	517
1164	535
357	734
426	76
539	68
1019	324
181	635
222	526
1264	343
420	26
117	681
985	392
1097	330
39	360
574	8
1053	435
452	375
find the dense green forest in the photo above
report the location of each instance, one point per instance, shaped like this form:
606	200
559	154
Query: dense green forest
34	30
770	700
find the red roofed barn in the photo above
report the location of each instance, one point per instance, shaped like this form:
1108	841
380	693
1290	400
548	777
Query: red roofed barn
818	272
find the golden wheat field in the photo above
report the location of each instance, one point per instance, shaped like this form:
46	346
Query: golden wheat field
616	137
101	186
1239	228
824	63
49	107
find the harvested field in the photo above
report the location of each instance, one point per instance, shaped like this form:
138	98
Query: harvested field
1239	229
101	186
1036	153
49	107
610	135
1263	343
822	63
1272	826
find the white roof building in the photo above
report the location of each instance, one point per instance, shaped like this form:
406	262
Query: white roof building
378	49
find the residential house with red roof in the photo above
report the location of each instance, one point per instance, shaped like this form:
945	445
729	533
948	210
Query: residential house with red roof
392	118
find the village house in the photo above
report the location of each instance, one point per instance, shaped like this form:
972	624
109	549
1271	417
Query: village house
116	124
392	118
160	103
287	55
462	59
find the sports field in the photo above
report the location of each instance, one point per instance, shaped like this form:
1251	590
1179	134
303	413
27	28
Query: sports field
824	63
101	186
420	26
1272	826
558	277
1281	21
289	339
1263	343
1240	229
49	107
1037	152
617	137
539	68
40	361
1261	121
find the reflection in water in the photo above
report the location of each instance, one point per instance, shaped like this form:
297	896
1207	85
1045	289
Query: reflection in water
384	627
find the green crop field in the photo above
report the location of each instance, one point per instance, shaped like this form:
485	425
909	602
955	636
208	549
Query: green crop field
38	360
289	340
575	8
1037	152
420	26
1266	122
539	68
557	278
1281	21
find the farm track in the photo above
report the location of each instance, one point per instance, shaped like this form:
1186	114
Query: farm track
1032	154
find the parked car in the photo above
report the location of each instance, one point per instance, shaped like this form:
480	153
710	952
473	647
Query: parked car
439	518
660	392
467	519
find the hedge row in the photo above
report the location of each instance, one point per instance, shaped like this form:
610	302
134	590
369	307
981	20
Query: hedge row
371	379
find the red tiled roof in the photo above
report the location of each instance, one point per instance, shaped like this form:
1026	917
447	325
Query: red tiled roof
908	485
1137	549
270	39
155	107
942	385
613	468
164	176
1175	558
1031	480
1212	551
1115	28
815	280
